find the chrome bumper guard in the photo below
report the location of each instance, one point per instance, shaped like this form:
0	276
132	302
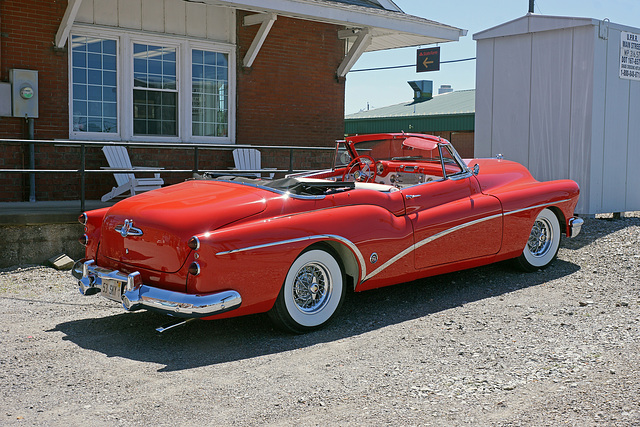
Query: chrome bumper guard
575	225
136	296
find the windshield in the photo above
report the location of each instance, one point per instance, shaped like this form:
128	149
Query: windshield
395	150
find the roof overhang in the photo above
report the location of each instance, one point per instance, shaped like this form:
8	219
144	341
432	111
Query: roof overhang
365	29
389	29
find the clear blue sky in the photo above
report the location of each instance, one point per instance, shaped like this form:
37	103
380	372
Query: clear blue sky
387	87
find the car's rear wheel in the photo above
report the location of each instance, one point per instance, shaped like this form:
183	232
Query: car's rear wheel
543	243
311	294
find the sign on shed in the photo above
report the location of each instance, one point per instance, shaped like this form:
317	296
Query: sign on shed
629	56
428	60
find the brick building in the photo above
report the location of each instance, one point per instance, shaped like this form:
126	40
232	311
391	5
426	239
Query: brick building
257	72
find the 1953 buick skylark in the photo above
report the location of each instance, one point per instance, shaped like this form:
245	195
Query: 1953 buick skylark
393	208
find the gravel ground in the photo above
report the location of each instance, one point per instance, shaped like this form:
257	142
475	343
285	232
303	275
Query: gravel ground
487	346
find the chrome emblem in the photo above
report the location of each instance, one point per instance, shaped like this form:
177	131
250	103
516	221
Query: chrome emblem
128	229
373	258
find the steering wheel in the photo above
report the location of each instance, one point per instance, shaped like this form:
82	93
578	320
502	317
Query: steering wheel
363	169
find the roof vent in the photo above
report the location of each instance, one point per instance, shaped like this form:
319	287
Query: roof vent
422	90
445	89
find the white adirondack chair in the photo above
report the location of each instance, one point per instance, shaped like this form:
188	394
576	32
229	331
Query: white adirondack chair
118	158
249	159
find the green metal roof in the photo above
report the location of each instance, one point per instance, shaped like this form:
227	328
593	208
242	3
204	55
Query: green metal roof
453	111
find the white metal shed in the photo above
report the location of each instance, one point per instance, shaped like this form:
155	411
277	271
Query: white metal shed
561	95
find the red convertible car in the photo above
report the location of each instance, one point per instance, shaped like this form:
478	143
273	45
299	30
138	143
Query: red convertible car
393	208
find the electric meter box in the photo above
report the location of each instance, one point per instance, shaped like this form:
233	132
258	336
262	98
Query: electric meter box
24	93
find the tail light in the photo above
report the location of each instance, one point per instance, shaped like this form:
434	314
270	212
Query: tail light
194	269
84	240
194	243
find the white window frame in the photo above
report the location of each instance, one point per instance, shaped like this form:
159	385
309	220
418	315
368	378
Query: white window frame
184	46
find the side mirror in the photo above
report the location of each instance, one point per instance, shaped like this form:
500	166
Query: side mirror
476	169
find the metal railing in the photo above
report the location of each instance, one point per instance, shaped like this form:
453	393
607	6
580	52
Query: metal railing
82	171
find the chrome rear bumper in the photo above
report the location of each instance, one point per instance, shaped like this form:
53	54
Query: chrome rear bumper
136	296
575	225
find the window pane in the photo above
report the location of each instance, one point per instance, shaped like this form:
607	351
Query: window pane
155	96
155	113
79	92
154	66
208	93
94	62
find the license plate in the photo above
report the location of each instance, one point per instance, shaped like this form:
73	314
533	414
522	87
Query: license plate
112	289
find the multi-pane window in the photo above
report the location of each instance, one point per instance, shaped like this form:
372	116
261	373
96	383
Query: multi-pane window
155	91
94	80
134	87
210	93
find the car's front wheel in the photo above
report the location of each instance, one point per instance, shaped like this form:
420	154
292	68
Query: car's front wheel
543	243
311	294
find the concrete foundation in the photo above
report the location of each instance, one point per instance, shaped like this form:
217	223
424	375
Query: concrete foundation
33	232
35	244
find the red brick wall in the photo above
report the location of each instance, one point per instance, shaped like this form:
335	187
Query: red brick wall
290	96
28	30
463	143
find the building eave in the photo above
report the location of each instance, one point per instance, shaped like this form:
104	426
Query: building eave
390	29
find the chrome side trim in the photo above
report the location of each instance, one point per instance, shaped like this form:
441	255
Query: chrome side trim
347	242
536	206
430	239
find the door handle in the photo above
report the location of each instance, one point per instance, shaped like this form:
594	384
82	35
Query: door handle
411	196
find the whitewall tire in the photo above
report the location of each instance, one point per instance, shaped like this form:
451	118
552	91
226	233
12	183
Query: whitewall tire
312	292
543	243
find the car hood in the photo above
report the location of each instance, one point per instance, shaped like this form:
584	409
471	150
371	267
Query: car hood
168	217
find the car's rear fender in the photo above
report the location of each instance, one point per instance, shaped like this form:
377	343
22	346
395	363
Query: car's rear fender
254	257
92	221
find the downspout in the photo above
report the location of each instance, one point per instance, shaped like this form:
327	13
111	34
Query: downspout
30	135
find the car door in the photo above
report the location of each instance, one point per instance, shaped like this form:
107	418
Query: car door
453	221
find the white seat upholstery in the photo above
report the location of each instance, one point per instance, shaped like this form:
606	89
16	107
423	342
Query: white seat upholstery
118	158
250	159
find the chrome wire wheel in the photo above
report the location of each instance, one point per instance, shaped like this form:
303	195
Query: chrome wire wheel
312	291
543	242
312	287
541	237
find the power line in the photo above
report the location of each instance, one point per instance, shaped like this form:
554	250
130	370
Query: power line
410	65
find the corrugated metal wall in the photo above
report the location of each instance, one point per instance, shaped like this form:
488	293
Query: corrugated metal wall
549	95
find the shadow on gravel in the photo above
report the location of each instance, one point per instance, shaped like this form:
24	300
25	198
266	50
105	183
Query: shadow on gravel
201	343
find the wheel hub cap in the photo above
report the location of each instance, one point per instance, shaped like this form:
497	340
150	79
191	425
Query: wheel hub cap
311	288
540	238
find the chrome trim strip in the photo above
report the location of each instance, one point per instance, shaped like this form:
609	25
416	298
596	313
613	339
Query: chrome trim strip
347	242
448	231
428	240
536	206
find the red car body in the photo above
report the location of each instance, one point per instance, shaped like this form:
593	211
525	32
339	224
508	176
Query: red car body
405	207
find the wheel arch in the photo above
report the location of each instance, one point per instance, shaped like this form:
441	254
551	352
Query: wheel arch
561	218
346	258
